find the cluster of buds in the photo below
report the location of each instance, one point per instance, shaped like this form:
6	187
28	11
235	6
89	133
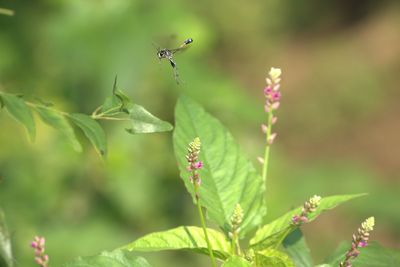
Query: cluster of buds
360	239
192	158
236	219
41	258
271	91
309	206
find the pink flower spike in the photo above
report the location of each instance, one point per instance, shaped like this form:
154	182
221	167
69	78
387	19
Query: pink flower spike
198	165
274	119
264	128
261	160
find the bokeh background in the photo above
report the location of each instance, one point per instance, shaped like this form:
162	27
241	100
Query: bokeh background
338	125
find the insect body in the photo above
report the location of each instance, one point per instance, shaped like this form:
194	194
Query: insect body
169	54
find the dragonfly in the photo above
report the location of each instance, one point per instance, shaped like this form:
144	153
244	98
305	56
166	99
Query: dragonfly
169	55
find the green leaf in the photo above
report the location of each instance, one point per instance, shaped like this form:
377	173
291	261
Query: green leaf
112	104
373	255
236	261
92	130
5	243
144	122
60	123
228	177
20	112
116	258
296	247
273	233
272	257
184	237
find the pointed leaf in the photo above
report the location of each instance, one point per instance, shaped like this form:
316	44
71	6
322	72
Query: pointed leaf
5	243
184	237
373	255
296	247
228	177
273	233
272	257
20	112
115	258
236	261
92	130
59	123
144	122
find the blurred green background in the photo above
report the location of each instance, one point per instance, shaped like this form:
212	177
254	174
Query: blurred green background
338	127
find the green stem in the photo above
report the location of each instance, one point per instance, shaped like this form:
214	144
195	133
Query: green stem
6	11
267	146
203	224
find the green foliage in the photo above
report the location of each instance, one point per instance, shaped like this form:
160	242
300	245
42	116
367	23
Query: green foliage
5	243
272	257
236	261
373	255
20	112
183	238
273	233
228	178
296	247
118	107
116	258
60	123
92	130
144	122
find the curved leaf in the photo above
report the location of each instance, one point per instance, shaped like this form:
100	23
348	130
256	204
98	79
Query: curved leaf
236	261
115	258
373	255
20	112
60	123
296	247
92	130
273	233
144	122
228	178
272	257
5	243
184	237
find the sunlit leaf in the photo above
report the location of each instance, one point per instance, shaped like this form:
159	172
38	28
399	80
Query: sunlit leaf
20	112
144	122
273	233
59	123
182	238
373	255
228	177
116	258
296	247
5	243
92	130
236	261
275	258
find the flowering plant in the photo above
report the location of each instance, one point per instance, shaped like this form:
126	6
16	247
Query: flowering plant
223	182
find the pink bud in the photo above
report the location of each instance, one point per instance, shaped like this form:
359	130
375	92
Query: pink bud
267	107
275	105
46	257
39	260
268	80
191	179
34	244
272	138
274	119
277	86
260	159
362	244
264	128
198	182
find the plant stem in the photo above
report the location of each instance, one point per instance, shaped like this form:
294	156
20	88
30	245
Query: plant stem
203	224
6	11
267	146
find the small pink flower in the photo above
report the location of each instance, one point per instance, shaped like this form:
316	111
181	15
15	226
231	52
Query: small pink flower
362	244
264	128
267	90
198	165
